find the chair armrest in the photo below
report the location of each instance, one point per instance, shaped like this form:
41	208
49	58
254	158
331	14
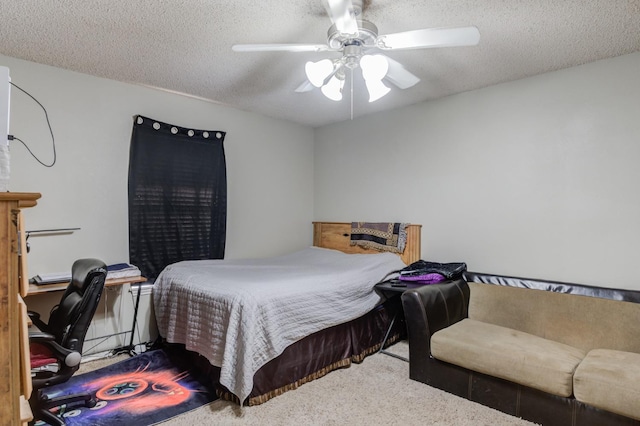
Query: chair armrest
60	352
35	319
40	337
68	360
430	308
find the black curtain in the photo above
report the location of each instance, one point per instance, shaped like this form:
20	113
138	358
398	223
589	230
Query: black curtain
177	195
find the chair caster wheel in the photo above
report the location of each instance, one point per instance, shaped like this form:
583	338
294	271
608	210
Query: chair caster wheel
91	403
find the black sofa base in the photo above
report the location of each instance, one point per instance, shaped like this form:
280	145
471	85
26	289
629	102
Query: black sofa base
517	400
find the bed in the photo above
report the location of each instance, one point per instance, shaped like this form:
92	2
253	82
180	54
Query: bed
260	327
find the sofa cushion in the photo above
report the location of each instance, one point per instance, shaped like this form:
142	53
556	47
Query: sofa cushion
508	354
610	380
583	322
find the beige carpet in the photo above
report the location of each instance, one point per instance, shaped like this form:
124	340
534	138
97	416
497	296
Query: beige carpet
376	392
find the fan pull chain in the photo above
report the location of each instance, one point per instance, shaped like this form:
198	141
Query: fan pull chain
351	94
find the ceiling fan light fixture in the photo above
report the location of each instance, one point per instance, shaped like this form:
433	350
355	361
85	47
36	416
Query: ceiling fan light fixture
376	89
357	38
333	89
317	72
374	67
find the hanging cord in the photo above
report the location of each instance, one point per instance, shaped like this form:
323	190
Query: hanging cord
351	94
119	321
46	115
137	329
105	302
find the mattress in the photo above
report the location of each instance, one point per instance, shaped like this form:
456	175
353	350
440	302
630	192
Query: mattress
240	314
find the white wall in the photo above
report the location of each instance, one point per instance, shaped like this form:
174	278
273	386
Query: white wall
269	166
535	178
269	169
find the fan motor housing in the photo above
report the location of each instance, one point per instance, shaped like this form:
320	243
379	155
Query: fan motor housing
367	35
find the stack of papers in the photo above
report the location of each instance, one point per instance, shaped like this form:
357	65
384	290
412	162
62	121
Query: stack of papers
122	270
56	277
118	270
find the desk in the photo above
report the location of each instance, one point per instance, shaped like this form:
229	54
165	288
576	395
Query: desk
391	289
48	288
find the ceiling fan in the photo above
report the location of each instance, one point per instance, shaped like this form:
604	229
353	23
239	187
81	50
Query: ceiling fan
358	41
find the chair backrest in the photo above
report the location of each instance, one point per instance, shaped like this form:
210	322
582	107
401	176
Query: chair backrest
70	319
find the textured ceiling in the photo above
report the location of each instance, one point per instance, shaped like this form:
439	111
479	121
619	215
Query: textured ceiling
185	45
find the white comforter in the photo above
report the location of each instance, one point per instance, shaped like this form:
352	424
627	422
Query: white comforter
240	314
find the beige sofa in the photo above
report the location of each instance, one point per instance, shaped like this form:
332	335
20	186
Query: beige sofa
553	353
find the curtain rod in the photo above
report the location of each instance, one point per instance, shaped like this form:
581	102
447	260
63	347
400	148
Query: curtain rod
42	231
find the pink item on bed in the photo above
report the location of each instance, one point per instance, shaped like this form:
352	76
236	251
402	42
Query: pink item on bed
430	278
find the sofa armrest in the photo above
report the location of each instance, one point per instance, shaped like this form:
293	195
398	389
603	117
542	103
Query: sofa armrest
430	308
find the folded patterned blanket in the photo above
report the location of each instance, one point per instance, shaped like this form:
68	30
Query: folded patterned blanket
383	236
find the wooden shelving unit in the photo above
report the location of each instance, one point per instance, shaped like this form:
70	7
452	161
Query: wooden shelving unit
15	378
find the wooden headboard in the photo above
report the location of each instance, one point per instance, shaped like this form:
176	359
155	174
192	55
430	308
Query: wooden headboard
337	236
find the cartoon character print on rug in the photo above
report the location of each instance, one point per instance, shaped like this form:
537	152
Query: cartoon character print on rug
143	390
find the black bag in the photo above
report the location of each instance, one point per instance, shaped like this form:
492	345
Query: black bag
424	272
422	267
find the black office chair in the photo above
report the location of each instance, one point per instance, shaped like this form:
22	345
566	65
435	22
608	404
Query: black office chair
60	341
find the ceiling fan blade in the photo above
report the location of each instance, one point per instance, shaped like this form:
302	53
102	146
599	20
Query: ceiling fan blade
342	14
286	47
399	76
430	37
305	87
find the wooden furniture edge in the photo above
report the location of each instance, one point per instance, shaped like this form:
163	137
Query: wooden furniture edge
25	359
25	411
337	236
24	199
23	280
14	408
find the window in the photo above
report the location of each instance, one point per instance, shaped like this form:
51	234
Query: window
177	195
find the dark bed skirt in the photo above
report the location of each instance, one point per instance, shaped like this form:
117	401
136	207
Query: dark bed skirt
313	356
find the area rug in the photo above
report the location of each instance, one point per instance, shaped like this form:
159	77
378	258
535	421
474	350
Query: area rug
143	390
